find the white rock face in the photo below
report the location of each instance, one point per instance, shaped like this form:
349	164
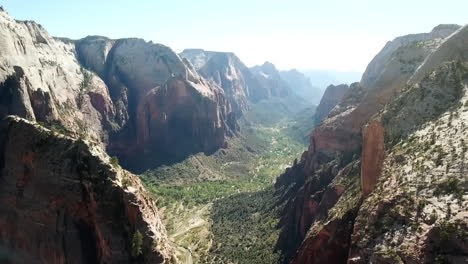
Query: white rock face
454	47
111	91
227	71
47	70
380	61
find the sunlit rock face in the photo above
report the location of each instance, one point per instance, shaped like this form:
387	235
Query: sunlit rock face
133	97
41	80
226	70
374	147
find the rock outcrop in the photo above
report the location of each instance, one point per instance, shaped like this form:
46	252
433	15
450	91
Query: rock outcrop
62	201
302	86
135	98
423	219
241	84
364	147
332	96
384	58
41	80
229	72
373	151
165	109
271	83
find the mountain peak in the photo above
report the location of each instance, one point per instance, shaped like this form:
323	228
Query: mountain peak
446	26
193	51
444	30
269	67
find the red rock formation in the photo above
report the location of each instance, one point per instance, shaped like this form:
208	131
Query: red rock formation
182	119
165	110
62	203
337	141
373	154
329	244
311	204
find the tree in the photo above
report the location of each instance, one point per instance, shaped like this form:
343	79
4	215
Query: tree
137	244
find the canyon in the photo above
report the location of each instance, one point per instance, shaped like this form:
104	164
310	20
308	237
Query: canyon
123	151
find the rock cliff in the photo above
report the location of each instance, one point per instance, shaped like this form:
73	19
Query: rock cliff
63	201
90	87
332	96
229	72
240	84
272	85
41	80
165	109
346	198
382	60
302	86
423	218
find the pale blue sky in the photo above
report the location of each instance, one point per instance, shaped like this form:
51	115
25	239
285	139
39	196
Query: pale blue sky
328	34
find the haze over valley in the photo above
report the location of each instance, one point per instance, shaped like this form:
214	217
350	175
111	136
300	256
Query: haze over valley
255	132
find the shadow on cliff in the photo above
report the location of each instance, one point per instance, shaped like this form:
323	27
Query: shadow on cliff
139	158
139	163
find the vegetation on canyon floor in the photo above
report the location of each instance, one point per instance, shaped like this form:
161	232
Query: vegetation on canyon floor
221	208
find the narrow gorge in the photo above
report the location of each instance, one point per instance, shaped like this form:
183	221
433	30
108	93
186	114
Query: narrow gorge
124	151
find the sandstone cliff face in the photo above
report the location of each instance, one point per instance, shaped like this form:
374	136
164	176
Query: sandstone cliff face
373	151
381	60
240	84
226	70
356	217
301	85
272	85
423	219
130	96
164	109
63	202
41	80
332	96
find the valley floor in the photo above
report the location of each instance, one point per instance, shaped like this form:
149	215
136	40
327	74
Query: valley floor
221	208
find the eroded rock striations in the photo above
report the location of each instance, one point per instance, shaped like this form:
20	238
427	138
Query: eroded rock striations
368	189
240	84
41	80
62	201
229	72
133	97
165	105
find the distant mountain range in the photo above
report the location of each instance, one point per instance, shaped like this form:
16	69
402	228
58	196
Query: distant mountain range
323	78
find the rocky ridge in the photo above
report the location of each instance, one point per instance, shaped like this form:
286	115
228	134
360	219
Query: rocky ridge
329	191
65	201
165	106
240	84
270	77
89	87
229	72
332	96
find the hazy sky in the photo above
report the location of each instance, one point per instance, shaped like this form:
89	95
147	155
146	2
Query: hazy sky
327	34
